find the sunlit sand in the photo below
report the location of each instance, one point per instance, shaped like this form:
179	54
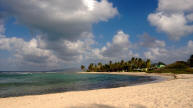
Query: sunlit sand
171	93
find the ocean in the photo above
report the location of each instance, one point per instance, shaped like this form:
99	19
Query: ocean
20	83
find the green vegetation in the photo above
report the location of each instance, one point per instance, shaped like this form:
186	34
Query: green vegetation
140	65
158	65
82	67
190	61
179	67
135	64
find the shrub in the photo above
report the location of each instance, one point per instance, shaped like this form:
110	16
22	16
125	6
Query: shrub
178	65
189	70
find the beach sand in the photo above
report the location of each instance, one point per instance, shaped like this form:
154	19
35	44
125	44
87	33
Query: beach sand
171	93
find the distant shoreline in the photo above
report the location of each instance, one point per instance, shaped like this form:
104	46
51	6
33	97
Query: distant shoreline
158	77
165	75
170	76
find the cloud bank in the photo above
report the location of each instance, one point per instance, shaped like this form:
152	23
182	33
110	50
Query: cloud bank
63	29
119	48
64	38
173	17
66	19
169	54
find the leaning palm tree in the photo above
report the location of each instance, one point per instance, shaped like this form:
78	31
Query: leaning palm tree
82	67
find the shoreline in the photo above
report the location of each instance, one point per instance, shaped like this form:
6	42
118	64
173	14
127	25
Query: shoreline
152	79
159	77
156	79
166	76
168	93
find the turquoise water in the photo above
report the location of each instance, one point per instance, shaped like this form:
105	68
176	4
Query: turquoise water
19	84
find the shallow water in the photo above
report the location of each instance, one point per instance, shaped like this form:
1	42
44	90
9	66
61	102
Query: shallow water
19	84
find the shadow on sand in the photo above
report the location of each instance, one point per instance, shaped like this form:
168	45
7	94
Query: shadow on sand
107	106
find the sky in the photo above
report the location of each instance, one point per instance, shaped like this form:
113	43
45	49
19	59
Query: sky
57	34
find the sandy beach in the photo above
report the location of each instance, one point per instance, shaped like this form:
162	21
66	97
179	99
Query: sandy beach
170	93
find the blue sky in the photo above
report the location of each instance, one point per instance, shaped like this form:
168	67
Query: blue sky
35	36
133	20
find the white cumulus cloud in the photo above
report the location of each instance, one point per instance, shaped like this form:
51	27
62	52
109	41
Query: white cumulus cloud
174	17
170	54
148	41
119	48
60	18
28	52
64	29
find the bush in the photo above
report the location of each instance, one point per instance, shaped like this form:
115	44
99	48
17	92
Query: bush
178	65
189	70
176	71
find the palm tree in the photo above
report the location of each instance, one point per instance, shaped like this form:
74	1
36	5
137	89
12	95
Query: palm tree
95	68
132	59
100	65
148	63
90	67
143	64
134	63
122	61
190	61
130	65
110	65
140	62
110	62
82	67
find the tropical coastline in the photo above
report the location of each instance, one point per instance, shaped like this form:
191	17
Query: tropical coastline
96	53
171	93
11	84
166	75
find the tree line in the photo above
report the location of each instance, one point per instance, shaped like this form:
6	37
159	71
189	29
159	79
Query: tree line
135	64
178	67
138	64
